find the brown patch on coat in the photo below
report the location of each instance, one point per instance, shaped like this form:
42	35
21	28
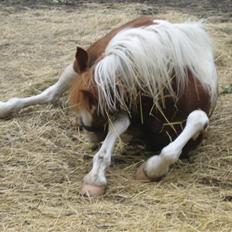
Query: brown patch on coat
83	93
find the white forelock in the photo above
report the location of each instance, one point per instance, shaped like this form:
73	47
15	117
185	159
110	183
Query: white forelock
145	58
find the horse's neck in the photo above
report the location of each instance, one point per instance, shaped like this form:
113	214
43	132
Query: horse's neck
96	50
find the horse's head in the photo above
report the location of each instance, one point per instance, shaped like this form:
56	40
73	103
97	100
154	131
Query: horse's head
84	96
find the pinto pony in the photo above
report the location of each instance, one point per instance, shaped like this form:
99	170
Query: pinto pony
148	75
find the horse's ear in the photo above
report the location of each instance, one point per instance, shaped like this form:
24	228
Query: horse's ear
81	60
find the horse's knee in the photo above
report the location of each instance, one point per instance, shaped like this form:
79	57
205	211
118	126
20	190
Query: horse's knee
198	119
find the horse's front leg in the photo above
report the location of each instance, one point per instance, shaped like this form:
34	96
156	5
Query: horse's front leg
158	165
50	94
95	181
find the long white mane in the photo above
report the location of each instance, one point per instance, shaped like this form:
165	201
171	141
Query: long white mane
143	60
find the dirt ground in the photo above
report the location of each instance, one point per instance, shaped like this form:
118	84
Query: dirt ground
43	156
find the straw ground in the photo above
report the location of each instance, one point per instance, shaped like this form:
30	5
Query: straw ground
43	156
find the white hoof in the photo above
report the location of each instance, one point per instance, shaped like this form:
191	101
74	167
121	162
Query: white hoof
141	175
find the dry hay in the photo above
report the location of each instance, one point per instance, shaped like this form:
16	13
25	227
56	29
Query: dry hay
43	157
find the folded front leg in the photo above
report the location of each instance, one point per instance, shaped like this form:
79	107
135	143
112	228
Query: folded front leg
95	181
158	165
50	94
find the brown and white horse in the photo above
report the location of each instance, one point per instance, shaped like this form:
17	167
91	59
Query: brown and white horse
150	75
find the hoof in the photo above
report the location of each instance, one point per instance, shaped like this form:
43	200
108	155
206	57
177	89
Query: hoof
141	175
90	190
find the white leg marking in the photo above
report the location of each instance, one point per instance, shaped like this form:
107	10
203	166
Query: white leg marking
49	95
158	166
102	158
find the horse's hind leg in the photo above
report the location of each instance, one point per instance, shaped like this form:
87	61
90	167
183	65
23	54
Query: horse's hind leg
158	166
50	94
